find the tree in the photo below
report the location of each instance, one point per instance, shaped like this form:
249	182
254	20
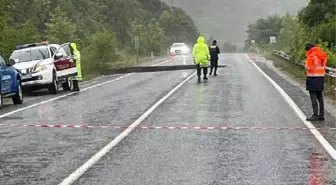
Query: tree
263	29
315	23
101	51
155	37
85	22
60	29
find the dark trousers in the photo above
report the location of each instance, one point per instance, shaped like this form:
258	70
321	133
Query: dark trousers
214	65
75	85
199	69
316	98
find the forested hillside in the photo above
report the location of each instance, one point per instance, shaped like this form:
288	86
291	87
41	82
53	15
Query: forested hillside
103	29
226	20
315	23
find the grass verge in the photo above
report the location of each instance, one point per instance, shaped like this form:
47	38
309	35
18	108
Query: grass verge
298	73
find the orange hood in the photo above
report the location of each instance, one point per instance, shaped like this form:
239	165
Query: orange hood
317	51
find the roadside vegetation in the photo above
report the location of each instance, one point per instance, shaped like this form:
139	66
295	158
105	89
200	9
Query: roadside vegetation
313	23
104	30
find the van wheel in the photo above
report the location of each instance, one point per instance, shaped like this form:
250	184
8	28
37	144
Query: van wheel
53	87
18	97
67	85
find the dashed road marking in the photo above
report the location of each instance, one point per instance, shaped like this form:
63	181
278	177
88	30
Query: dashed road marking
165	127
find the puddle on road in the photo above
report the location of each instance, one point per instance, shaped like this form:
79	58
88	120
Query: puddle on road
317	169
184	74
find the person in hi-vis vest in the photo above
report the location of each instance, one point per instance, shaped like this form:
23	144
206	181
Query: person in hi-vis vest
75	80
201	56
316	63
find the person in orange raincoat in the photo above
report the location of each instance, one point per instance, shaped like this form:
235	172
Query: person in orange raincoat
316	62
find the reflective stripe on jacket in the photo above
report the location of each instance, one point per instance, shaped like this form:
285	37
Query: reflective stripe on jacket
214	51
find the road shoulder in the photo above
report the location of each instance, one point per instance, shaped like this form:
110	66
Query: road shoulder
300	96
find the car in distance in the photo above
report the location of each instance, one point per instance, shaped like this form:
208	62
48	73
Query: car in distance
179	49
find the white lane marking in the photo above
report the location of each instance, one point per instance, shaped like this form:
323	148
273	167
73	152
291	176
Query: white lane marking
94	159
68	94
327	146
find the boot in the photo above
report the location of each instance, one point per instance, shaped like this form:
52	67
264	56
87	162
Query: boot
321	117
314	117
199	79
75	86
205	78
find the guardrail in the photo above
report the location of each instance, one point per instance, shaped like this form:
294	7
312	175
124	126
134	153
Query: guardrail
329	71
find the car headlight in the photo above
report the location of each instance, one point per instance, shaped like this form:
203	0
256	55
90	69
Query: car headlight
40	68
186	49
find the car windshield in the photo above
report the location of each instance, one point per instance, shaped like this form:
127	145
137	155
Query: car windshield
178	45
30	54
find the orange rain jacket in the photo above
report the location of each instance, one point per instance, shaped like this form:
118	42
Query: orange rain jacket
316	63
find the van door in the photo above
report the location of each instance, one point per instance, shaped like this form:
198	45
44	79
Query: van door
6	78
65	62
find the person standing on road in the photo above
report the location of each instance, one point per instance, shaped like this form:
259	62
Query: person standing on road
214	51
316	62
75	52
201	57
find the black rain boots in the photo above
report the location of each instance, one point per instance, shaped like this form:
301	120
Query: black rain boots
315	117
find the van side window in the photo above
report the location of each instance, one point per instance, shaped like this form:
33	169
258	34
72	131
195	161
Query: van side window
53	50
61	50
67	49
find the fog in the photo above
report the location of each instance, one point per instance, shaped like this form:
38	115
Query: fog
226	20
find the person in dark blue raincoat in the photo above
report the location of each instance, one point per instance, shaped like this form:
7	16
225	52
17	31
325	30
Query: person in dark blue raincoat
214	51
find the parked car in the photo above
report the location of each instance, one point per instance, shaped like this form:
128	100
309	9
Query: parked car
11	85
45	65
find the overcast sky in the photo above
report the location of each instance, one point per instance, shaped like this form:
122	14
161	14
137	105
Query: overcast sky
227	20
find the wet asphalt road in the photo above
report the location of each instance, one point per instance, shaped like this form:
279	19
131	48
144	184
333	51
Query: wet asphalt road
239	96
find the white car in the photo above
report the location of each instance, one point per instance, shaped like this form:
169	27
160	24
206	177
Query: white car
179	49
44	65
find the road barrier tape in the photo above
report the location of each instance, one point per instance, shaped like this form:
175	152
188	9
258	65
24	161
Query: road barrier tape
167	127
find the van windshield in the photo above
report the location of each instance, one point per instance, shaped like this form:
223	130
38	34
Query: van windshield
30	54
178	45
